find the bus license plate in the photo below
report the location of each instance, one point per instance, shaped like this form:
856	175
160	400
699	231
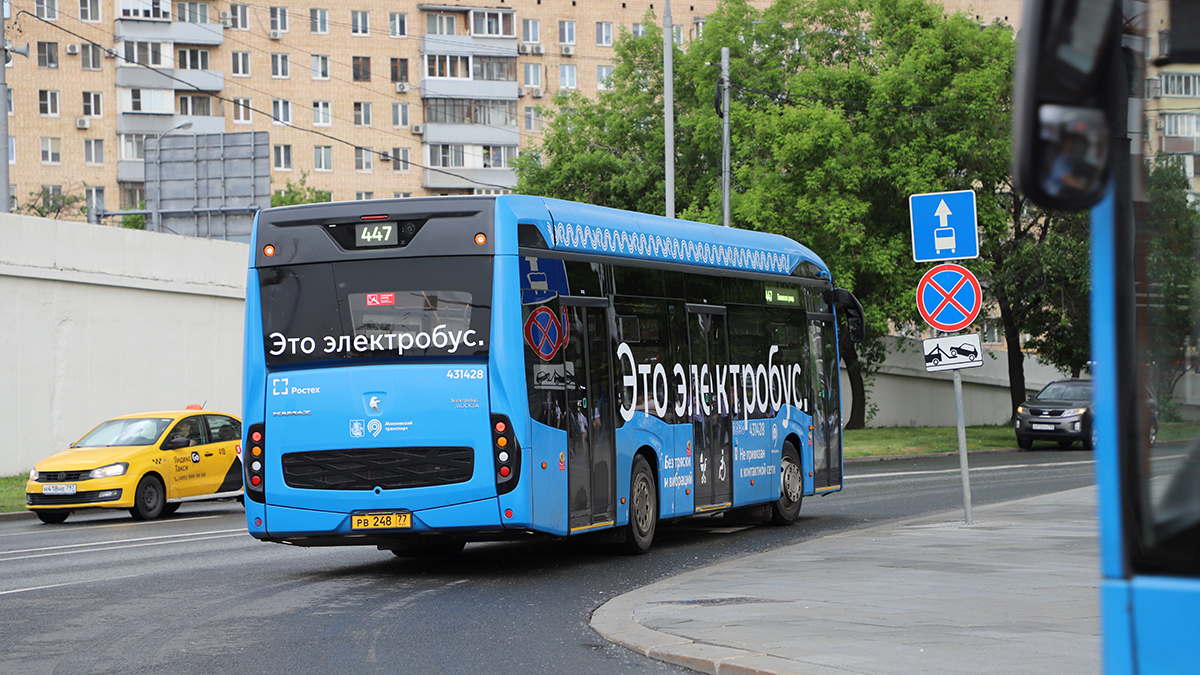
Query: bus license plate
380	521
67	489
1043	427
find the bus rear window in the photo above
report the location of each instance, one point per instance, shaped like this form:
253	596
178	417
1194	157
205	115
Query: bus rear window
370	309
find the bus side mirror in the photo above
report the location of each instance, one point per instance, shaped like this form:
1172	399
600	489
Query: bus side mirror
1064	103
851	309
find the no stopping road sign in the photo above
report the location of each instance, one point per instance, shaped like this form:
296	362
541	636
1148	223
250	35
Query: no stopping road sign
949	297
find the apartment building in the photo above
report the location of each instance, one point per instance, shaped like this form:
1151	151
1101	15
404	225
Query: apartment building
1171	110
370	99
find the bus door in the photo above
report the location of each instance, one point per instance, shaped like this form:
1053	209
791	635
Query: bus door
712	436
827	424
591	465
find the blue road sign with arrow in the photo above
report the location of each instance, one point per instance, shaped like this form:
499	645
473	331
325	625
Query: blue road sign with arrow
944	226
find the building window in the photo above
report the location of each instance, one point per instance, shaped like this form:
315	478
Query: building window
401	195
1180	84
241	110
446	155
144	53
90	56
364	159
12	152
94	198
281	66
533	75
323	157
362	113
397	24
93	151
281	110
195	105
318	21
1164	43
677	33
52	197
399	70
320	67
150	101
497	113
192	59
498	156
447	66
48	103
604	34
492	24
51	150
604	78
241	64
239	17
440	24
637	30
322	113
495	68
91	104
46	9
362	196
360	23
193	12
399	114
530	30
133	146
1185	125
698	29
279	19
566	32
89	11
361	68
146	9
400	159
47	54
533	119
566	77
282	155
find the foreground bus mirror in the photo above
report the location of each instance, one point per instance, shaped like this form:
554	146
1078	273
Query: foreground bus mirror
850	308
1064	118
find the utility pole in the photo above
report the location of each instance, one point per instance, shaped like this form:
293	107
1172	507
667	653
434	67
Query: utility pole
725	170
5	197
669	106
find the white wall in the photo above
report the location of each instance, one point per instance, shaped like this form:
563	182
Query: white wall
907	395
101	321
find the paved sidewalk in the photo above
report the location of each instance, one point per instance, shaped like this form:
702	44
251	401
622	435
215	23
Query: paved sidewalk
1014	593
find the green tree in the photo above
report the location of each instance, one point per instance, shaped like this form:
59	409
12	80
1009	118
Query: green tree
136	221
300	192
57	204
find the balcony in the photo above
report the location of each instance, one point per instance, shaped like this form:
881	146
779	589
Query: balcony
468	45
472	134
179	32
458	178
139	77
462	88
138	123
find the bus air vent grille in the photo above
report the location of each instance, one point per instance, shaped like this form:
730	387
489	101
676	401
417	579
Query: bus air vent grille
368	468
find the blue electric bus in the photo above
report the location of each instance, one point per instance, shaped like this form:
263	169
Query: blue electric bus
420	373
1102	120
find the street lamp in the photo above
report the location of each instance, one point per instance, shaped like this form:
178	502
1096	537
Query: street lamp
158	164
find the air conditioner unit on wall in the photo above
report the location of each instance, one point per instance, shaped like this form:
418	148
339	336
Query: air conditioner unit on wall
535	92
522	49
520	92
401	87
275	35
1158	123
418	129
83	123
226	22
72	49
568	50
538	49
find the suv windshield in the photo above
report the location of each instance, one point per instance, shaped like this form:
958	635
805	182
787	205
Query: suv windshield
142	431
1066	391
393	308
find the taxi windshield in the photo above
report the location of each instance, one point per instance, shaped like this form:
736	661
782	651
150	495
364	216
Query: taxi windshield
140	431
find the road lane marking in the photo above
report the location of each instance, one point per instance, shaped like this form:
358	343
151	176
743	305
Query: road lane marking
123	541
67	583
973	469
77	526
241	533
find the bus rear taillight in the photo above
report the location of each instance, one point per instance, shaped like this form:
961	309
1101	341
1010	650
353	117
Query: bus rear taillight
254	459
506	453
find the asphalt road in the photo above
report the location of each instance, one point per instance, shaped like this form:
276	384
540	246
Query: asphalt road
195	594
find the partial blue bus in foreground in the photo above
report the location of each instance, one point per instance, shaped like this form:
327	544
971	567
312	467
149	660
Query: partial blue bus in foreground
420	373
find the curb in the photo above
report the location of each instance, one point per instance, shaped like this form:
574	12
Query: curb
13	515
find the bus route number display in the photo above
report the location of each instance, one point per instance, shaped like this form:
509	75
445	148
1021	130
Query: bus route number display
376	234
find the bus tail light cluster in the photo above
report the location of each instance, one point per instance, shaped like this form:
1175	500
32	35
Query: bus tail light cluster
506	453
254	459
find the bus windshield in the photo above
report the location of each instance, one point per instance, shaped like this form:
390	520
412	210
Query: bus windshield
376	309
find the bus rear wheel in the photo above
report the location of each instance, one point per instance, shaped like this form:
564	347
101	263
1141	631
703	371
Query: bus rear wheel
643	508
786	509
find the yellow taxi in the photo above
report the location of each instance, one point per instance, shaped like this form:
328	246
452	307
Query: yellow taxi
148	463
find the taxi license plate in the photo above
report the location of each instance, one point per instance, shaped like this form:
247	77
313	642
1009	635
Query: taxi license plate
67	489
1043	427
380	521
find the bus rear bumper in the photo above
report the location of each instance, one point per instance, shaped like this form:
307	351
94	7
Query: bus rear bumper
307	527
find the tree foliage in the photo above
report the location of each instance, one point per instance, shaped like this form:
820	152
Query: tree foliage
299	192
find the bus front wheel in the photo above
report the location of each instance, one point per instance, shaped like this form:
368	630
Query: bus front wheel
786	509
643	508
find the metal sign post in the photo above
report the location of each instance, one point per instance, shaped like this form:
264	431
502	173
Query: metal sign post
962	445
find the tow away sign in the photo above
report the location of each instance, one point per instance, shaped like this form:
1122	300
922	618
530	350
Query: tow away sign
950	353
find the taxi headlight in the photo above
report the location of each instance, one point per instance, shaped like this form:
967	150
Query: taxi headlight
109	471
33	474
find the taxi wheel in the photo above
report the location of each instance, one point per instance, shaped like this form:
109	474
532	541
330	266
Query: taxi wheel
786	509
149	499
53	517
